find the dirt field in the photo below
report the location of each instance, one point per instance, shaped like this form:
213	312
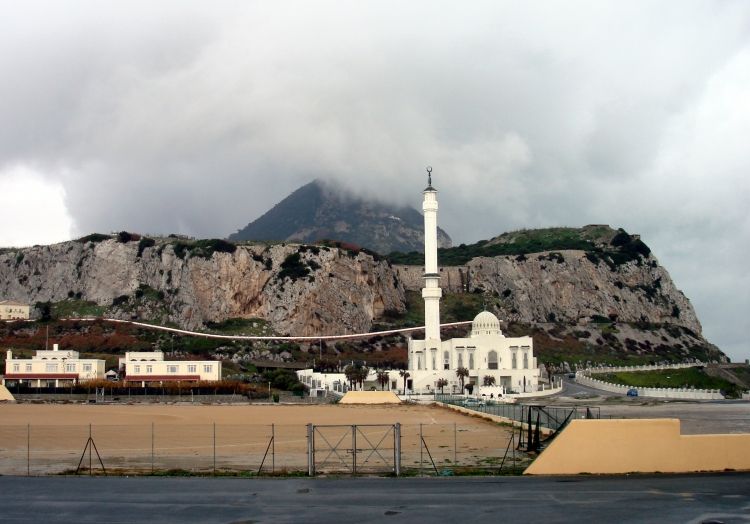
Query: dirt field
50	438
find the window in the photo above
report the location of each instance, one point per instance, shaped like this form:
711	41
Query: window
192	369
460	360
434	367
70	367
446	360
149	369
28	367
87	367
16	367
51	368
136	369
172	369
492	360
208	368
514	360
471	360
525	360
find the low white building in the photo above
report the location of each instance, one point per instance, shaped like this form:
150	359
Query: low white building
12	310
143	366
53	368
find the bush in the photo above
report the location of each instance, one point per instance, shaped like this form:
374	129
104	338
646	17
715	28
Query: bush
122	299
293	267
143	244
124	237
94	237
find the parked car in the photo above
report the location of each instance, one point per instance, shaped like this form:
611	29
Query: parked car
572	375
474	403
632	392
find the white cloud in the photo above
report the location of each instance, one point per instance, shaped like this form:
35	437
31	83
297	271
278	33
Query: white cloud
33	209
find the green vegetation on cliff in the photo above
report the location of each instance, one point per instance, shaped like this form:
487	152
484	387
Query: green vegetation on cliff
601	243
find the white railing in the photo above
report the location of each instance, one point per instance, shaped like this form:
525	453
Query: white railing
686	393
648	367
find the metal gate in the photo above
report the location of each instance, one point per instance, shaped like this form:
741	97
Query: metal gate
354	449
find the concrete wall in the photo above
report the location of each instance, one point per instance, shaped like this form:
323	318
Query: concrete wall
695	394
638	445
654	367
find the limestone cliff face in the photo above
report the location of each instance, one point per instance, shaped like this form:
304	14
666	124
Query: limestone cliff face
341	293
570	287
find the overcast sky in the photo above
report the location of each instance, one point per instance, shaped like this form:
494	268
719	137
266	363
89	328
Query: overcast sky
197	117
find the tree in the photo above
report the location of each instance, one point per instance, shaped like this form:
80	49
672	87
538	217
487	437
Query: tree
362	376
382	378
406	375
488	380
462	373
350	372
441	383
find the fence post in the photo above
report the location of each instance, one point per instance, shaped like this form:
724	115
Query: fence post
354	450
455	445
28	449
397	448
152	448
89	449
273	449
214	448
310	452
421	441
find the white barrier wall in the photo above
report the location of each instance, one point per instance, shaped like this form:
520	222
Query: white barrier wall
650	367
685	393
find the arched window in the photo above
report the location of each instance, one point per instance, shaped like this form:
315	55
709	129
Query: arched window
446	360
492	360
471	360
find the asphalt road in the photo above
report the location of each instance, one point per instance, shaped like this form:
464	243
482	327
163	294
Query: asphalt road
583	499
571	387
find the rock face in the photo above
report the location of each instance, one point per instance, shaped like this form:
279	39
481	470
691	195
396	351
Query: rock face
340	291
567	286
319	210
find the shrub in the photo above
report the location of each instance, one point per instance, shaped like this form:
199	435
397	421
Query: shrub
94	238
143	244
293	267
122	299
124	237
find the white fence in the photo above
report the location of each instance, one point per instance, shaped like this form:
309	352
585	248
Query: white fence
685	393
653	367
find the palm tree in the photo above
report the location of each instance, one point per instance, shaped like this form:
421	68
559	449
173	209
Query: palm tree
350	372
362	376
382	378
406	375
441	383
462	373
488	380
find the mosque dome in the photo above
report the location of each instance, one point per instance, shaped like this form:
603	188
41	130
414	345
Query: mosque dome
485	323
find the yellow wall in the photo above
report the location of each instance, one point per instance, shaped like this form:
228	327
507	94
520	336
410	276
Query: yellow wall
13	311
638	445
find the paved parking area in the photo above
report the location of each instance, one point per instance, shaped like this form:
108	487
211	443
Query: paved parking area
582	499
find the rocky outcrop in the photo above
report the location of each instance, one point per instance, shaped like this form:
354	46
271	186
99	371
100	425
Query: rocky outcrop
335	292
567	286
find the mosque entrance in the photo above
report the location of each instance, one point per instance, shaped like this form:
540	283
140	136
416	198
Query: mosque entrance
356	449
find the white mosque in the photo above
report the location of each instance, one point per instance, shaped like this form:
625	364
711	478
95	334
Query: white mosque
485	353
510	362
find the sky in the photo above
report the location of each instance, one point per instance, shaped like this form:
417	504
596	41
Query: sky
196	117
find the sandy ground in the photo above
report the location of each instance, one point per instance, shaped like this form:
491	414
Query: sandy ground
50	438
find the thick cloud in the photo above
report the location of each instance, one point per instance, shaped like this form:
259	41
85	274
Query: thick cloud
192	118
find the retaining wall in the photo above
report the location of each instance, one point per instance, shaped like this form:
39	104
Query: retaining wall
638	445
684	393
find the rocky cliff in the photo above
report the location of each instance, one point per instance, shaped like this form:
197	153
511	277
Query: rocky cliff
299	290
567	286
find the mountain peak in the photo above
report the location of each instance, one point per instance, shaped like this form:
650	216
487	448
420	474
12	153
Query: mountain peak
321	210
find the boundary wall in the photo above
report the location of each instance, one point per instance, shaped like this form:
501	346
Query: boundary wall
639	446
650	367
684	393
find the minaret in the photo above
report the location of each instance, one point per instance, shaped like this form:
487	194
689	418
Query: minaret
431	292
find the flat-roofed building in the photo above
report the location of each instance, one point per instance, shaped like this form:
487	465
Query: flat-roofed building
53	368
12	310
150	366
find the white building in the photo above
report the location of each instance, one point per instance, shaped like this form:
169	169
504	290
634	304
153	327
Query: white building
53	368
12	310
485	353
143	366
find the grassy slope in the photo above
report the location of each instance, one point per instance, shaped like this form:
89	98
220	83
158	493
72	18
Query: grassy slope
668	378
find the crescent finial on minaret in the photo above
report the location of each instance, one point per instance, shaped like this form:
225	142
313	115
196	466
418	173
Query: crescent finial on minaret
429	176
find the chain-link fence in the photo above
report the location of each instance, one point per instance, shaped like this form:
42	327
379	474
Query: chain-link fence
205	449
